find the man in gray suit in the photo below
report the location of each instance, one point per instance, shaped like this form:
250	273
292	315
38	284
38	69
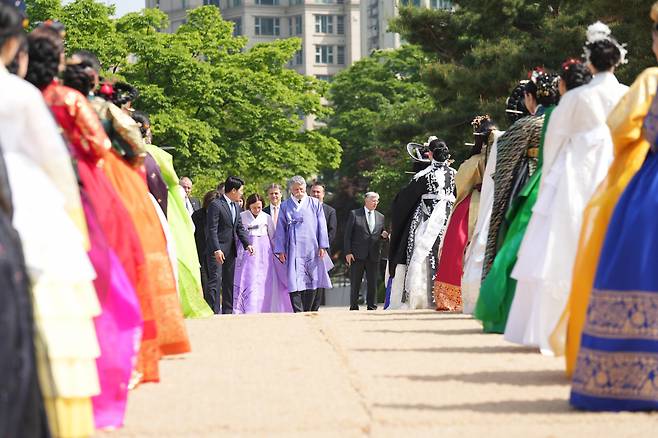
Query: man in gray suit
364	233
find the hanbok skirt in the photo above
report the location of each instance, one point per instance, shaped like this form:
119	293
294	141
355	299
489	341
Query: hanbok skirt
498	289
65	301
164	327
257	284
618	359
547	254
118	327
447	286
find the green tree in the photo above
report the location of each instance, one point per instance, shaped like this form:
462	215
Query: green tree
377	105
220	107
483	47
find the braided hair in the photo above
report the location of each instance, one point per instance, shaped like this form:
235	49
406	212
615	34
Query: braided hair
46	49
515	105
575	73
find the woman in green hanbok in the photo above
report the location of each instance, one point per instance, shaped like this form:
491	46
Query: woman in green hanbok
497	291
182	228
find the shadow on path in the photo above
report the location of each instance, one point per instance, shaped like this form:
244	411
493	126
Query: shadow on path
544	407
478	350
516	378
473	331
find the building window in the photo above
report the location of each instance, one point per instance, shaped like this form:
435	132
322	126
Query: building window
267	2
183	4
296	2
326	78
440	4
236	3
410	2
299	57
295	25
324	2
324	24
237	26
340	55
267	26
340	24
211	2
324	54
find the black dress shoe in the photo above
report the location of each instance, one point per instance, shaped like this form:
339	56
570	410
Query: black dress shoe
372	308
354	308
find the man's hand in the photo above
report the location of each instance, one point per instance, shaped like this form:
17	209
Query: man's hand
385	235
349	258
219	256
321	253
250	250
281	257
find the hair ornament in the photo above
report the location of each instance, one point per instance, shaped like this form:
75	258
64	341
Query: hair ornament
566	65
600	31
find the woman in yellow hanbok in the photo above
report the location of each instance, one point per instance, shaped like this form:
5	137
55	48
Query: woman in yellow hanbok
630	150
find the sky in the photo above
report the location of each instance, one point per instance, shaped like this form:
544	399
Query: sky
124	6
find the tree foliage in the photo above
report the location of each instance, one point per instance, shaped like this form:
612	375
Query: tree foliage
221	107
483	47
377	105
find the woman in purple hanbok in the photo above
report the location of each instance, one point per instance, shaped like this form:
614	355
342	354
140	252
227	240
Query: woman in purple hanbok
258	286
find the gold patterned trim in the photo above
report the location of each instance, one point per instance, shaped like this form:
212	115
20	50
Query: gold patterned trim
447	297
533	153
623	314
617	375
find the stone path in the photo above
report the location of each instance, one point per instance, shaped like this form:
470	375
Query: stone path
355	374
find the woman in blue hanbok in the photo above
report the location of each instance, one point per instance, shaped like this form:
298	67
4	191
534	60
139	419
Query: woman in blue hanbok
617	366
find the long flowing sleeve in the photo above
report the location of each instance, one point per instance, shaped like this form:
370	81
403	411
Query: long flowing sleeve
323	236
625	121
93	139
650	125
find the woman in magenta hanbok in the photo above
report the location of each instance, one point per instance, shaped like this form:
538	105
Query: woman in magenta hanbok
258	286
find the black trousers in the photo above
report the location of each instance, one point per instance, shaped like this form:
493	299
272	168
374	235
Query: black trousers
319	294
220	279
371	269
302	301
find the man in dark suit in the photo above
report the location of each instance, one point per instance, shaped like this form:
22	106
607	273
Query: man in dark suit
318	191
192	204
223	223
364	233
274	195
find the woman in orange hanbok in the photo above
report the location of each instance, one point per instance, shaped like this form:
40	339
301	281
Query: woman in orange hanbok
630	151
130	182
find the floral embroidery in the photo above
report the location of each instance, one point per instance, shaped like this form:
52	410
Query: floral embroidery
623	314
619	375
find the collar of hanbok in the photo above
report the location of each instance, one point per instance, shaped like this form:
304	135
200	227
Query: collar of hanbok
434	166
604	76
256	226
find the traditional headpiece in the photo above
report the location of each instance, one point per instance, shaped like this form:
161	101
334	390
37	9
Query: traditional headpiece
547	84
480	124
601	32
566	65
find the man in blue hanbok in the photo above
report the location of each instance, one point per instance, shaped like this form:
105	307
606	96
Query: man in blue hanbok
301	243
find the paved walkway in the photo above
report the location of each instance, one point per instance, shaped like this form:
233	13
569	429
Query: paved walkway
355	374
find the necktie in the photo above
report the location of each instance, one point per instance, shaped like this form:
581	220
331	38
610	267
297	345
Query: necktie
371	221
275	214
232	211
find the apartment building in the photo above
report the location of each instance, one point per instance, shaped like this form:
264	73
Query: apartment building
330	30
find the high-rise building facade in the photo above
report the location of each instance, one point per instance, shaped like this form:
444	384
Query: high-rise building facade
330	30
375	15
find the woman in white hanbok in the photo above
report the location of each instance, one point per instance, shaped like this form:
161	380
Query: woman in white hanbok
577	153
50	221
474	258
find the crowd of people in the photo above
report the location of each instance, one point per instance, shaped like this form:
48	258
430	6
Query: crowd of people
545	234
